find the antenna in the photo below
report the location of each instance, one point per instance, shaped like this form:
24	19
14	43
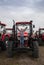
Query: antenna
13	22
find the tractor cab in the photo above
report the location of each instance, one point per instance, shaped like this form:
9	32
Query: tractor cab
41	36
41	33
7	35
27	33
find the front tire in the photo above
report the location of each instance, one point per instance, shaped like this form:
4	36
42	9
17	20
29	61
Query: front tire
9	51
41	43
35	49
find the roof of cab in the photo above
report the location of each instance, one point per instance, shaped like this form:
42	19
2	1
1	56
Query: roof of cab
9	29
24	22
2	23
41	28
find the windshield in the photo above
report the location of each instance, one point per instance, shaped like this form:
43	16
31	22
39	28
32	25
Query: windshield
23	26
42	31
2	28
9	31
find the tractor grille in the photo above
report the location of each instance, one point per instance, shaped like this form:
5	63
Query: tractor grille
25	38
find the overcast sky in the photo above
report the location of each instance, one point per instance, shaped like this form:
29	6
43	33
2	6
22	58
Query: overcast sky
22	10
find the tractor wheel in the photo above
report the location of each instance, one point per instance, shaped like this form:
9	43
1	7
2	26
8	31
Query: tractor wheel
0	49
40	42
2	45
9	51
35	49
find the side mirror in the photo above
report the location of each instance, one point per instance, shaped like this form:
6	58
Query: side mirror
31	21
1	26
33	26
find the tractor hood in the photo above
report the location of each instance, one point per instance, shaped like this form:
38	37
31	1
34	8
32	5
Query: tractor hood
25	34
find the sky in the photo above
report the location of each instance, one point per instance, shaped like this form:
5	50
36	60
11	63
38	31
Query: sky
22	10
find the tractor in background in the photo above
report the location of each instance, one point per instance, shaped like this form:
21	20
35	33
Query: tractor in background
41	36
2	34
7	35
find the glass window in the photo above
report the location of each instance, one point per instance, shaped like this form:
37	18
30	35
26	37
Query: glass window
42	31
23	26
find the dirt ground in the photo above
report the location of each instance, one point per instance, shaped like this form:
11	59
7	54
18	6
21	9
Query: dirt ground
22	59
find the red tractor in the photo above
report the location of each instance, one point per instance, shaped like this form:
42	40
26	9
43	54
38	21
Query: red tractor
41	36
30	42
7	35
2	33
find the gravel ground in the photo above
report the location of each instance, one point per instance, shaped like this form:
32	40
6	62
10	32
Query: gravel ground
22	59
